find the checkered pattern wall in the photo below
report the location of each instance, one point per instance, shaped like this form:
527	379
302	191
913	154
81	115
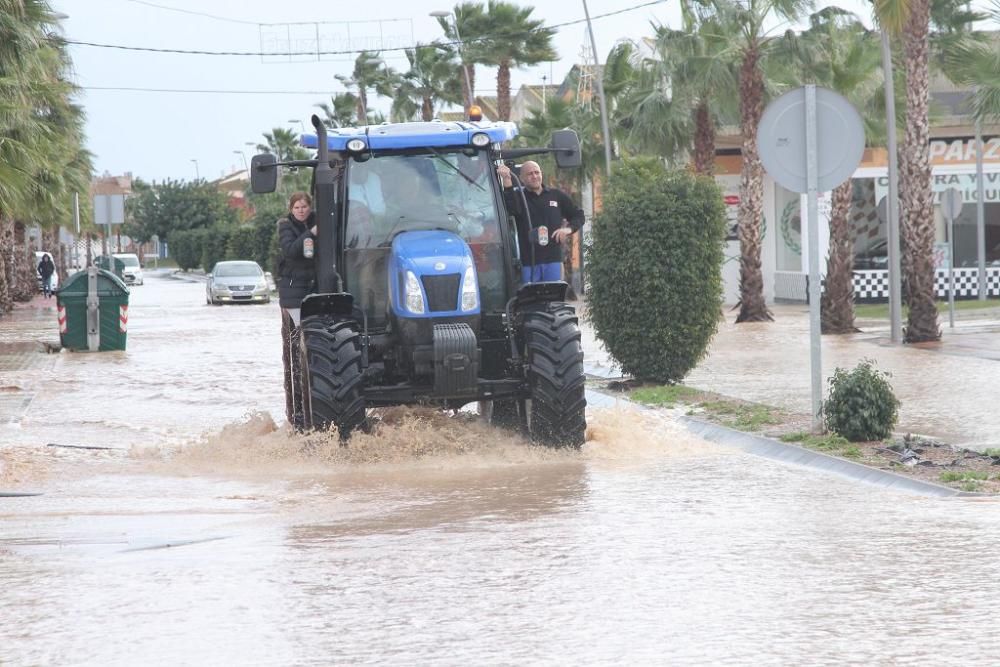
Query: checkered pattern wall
873	286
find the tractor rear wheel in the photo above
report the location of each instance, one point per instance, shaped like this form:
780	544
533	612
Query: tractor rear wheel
557	406
293	372
332	386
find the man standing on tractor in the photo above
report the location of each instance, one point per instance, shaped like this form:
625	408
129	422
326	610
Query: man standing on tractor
540	229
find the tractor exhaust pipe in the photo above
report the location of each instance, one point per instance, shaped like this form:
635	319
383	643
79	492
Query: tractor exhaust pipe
324	205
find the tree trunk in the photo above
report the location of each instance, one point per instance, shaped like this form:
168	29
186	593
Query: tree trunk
503	91
427	109
6	263
704	140
915	194
362	109
837	304
752	306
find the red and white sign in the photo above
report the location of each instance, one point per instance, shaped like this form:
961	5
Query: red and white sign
123	318
62	319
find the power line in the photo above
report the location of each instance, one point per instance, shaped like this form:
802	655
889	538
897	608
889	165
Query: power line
225	92
227	19
338	53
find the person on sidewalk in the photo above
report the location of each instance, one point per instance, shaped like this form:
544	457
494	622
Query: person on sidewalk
540	229
296	278
45	269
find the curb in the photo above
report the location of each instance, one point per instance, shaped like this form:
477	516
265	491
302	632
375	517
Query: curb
793	454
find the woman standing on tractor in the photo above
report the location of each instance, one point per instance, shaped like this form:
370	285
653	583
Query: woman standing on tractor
296	279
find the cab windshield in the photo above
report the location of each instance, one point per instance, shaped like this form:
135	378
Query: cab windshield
392	194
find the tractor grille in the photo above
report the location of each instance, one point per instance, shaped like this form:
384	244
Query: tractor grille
442	291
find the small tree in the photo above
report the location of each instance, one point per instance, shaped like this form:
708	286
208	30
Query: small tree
861	405
655	269
185	247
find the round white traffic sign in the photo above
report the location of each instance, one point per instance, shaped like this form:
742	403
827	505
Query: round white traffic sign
781	139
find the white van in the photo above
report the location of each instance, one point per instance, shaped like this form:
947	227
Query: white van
133	270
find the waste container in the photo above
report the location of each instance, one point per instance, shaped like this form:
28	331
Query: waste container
93	311
102	263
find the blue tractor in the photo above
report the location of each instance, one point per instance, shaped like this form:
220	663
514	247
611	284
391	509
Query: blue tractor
419	296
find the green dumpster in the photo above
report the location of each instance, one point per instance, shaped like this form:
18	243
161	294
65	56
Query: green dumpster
93	311
102	263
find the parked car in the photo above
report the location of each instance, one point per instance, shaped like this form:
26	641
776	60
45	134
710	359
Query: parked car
237	282
132	273
55	276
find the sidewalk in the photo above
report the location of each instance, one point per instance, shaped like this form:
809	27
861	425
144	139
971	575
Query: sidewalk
946	389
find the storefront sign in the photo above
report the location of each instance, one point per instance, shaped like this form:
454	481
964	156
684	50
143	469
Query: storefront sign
966	183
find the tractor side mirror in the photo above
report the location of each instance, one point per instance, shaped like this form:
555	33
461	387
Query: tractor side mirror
263	173
567	149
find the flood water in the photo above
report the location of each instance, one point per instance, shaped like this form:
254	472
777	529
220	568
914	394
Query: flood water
209	534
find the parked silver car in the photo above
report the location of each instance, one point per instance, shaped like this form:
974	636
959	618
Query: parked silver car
237	282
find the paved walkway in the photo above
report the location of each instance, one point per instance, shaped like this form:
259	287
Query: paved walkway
946	389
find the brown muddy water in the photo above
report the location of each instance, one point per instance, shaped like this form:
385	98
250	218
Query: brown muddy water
212	535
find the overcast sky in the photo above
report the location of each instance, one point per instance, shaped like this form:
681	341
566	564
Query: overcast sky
160	135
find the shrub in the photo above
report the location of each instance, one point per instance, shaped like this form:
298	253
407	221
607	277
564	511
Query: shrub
214	243
861	405
654	269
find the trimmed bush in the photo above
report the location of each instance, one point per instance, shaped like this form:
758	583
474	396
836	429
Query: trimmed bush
654	269
861	406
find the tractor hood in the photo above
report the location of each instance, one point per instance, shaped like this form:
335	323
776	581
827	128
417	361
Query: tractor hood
433	275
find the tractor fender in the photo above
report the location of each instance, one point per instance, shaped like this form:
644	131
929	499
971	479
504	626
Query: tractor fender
536	293
340	304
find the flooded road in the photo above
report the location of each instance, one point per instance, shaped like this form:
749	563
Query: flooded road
211	535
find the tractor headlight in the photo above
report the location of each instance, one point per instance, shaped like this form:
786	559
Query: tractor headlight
414	295
356	145
480	139
470	291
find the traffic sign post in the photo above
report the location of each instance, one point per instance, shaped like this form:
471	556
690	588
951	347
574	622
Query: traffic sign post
951	206
810	141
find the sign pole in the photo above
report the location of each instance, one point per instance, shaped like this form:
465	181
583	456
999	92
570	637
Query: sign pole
815	326
895	272
980	215
951	270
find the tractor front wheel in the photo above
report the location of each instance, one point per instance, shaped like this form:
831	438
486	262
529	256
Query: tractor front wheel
556	408
332	386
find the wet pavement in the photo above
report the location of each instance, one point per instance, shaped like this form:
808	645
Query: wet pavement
946	389
207	533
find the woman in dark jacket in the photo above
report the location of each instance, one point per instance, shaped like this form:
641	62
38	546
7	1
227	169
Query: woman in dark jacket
296	267
296	279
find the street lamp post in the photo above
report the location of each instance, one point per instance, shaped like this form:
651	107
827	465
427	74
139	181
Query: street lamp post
441	13
301	124
197	175
599	74
243	155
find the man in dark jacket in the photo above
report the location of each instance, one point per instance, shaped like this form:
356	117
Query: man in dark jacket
45	269
540	230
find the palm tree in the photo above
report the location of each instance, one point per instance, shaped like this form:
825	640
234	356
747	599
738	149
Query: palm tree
516	40
284	144
370	71
468	32
911	21
341	110
683	92
838	52
434	77
744	25
41	139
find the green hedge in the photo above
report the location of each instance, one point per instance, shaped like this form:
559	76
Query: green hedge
654	269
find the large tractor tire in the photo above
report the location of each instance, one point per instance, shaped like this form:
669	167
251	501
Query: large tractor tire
332	379
556	409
